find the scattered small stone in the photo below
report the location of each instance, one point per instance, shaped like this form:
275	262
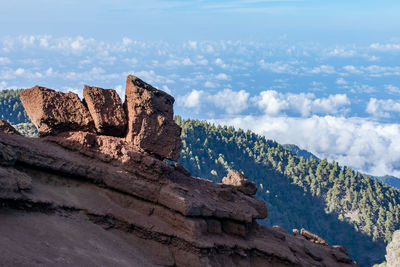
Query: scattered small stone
241	182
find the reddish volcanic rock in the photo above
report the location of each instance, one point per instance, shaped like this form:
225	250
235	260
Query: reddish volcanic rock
58	192
241	182
105	106
6	127
150	119
54	112
137	210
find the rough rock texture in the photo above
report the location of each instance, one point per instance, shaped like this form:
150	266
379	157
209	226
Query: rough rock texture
54	112
150	119
241	182
393	251
6	127
79	199
75	198
105	106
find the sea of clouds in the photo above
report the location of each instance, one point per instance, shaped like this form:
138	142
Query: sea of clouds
340	102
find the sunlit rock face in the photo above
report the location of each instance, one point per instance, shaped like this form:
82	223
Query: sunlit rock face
54	112
105	107
151	125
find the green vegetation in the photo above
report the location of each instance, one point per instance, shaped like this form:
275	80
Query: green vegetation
342	206
27	129
295	150
389	180
11	108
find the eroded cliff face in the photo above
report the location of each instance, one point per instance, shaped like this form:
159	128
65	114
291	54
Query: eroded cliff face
80	197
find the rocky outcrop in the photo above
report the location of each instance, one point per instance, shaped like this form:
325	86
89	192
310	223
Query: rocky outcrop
145	119
393	251
55	112
151	124
105	106
76	198
114	193
6	127
241	182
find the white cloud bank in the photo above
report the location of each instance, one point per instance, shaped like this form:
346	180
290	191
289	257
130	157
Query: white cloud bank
382	108
269	102
365	145
232	102
273	103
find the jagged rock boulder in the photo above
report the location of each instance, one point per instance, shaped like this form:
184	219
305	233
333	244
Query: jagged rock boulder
393	251
106	109
241	182
151	125
53	112
6	127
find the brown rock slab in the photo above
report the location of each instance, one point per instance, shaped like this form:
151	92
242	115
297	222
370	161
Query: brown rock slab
55	112
150	119
106	109
241	182
12	182
234	228
6	127
79	186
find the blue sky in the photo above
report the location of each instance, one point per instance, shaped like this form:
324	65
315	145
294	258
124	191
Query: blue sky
322	20
324	75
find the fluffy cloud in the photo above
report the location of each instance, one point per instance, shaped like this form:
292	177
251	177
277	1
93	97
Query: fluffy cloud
305	104
191	100
373	70
323	69
365	145
382	108
342	52
392	89
341	81
222	77
232	102
277	66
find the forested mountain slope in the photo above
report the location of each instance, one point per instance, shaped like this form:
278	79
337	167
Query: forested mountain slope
335	202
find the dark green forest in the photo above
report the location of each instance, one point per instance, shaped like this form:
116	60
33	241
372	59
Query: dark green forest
335	202
11	108
342	206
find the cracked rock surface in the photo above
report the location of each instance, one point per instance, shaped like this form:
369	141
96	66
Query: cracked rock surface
75	198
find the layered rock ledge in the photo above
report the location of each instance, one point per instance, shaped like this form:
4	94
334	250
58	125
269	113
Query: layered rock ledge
81	198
